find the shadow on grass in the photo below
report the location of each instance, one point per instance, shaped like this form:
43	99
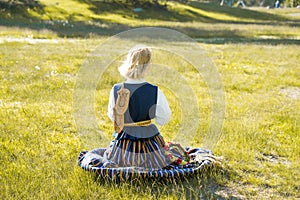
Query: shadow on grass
17	15
19	9
84	30
20	18
236	12
150	11
203	185
220	36
164	12
241	40
66	28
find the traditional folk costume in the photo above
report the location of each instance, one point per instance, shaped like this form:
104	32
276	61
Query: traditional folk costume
138	149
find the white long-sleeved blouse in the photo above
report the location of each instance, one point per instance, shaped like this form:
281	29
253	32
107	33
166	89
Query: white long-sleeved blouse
163	112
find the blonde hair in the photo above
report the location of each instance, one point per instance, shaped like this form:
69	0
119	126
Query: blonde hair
137	63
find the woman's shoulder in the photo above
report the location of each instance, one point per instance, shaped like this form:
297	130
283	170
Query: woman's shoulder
117	85
151	85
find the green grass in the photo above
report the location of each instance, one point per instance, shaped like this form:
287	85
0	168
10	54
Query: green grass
72	18
257	60
39	142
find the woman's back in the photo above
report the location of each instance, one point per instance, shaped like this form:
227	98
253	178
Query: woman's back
142	102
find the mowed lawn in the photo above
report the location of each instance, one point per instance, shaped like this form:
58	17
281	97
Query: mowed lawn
39	141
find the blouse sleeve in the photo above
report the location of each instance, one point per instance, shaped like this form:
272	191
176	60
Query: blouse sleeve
163	111
111	105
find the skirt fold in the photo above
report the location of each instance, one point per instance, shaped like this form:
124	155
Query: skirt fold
128	157
147	153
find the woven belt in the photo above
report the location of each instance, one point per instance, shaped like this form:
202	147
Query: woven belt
141	123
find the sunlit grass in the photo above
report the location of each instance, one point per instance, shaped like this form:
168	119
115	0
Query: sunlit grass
72	18
39	140
194	11
40	143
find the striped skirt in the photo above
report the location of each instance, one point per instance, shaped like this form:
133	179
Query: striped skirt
129	157
129	151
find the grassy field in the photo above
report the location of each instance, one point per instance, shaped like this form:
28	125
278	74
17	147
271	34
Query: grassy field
75	18
255	50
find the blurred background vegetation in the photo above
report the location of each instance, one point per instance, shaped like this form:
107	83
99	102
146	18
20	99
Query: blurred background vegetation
17	4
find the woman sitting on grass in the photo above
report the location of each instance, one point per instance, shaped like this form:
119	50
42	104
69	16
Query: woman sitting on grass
133	105
138	142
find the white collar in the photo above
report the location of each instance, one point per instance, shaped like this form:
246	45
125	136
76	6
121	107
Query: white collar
135	81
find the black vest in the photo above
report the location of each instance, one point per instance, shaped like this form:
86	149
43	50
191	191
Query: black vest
142	106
